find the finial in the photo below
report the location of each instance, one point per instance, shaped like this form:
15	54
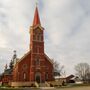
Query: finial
36	2
6	67
14	55
14	51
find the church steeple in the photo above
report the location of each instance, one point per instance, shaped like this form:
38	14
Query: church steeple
36	20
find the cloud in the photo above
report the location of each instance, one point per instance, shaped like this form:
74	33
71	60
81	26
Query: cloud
15	20
68	30
66	24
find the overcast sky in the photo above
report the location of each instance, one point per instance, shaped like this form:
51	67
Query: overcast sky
67	30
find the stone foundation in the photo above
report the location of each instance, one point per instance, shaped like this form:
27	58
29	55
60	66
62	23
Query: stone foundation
22	84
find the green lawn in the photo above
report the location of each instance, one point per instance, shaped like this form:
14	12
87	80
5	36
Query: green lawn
8	88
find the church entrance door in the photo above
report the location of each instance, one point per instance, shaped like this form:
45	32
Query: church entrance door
38	77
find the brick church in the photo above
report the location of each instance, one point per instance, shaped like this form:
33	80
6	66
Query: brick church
35	65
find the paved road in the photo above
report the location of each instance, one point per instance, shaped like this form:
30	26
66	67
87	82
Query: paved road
75	88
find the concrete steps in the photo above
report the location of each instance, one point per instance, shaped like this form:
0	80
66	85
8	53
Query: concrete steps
42	85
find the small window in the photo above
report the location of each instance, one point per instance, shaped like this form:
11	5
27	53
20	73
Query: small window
24	67
37	62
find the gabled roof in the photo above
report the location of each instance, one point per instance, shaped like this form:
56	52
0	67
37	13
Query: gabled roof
38	26
8	72
48	59
25	55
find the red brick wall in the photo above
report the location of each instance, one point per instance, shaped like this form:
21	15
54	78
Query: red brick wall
6	78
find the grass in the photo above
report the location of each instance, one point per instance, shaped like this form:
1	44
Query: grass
7	88
20	88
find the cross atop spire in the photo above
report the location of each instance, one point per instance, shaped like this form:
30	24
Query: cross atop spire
36	20
36	2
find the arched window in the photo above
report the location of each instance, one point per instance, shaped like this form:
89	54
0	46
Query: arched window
37	62
37	49
46	76
40	38
24	76
34	38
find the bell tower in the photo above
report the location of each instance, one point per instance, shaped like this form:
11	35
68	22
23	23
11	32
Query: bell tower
37	47
36	34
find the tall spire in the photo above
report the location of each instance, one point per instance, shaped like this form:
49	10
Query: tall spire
36	20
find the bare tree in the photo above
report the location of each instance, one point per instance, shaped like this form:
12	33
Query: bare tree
58	69
83	71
